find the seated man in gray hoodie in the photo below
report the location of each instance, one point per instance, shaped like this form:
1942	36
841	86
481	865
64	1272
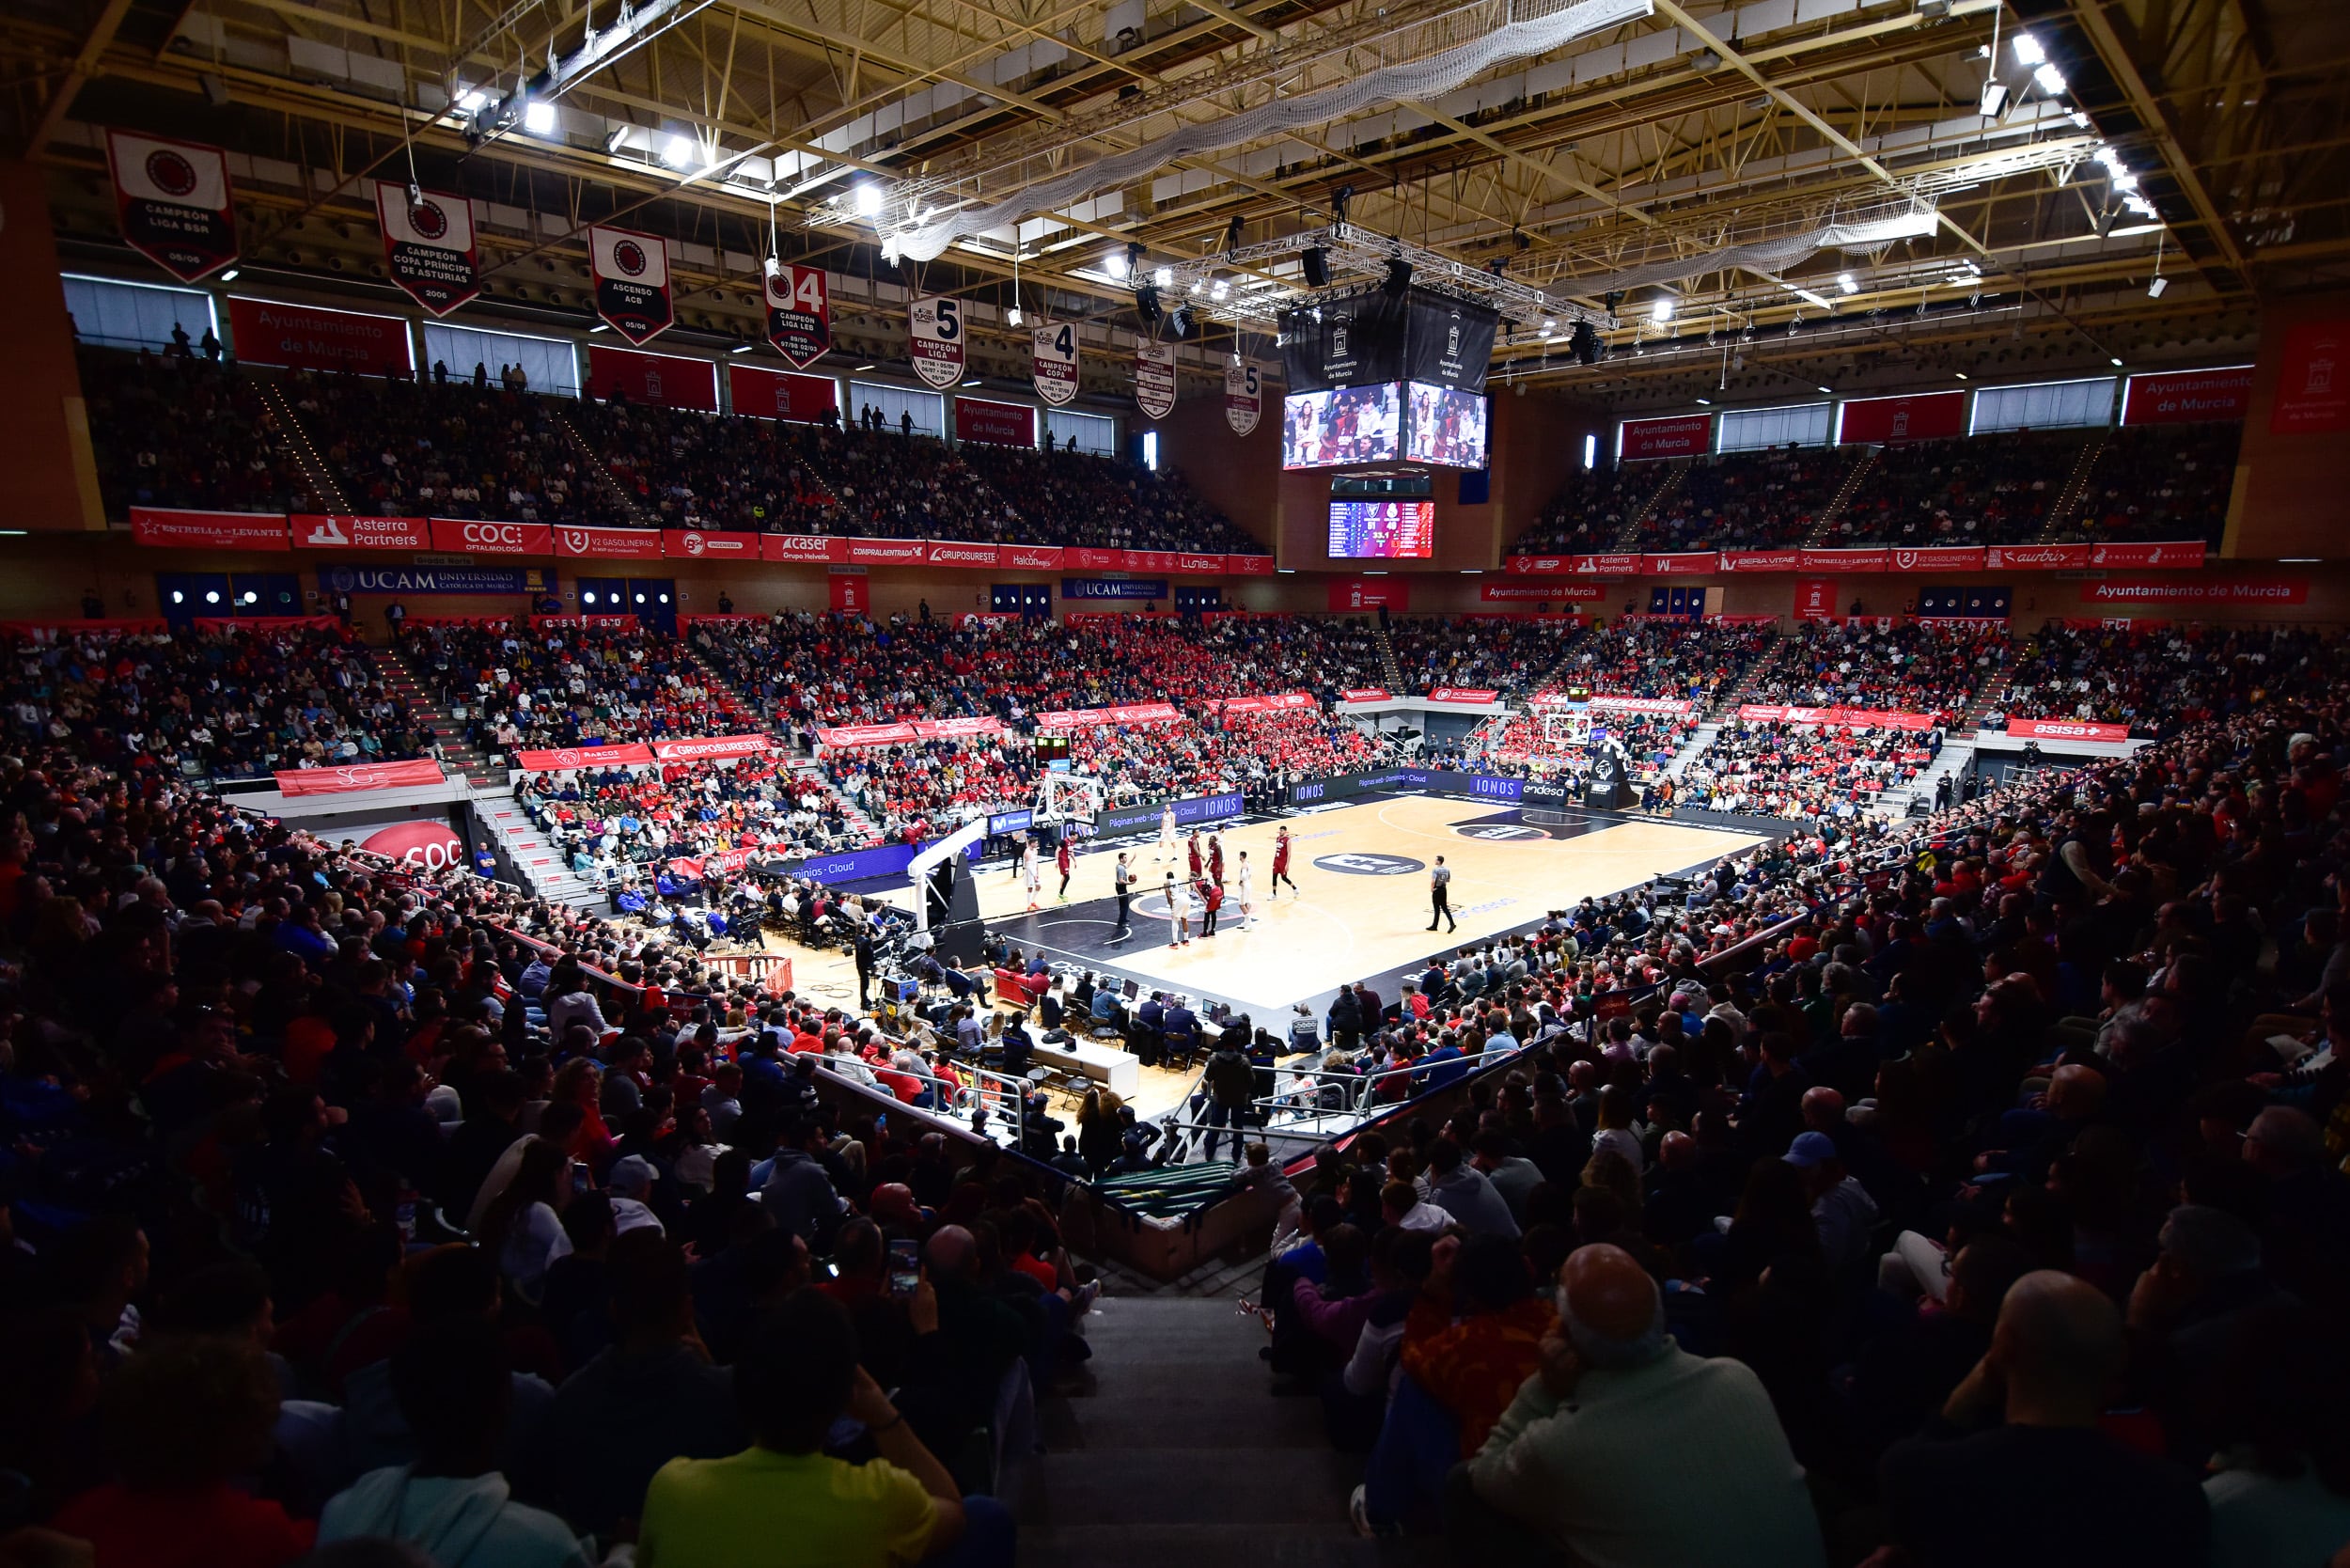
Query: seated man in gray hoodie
451	1381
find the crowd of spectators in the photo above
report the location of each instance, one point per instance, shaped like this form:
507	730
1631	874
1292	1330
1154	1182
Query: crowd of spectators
1592	508
2157	678
232	704
410	447
1252	753
1991	1212
2158	483
1760	500
520	686
1803	771
347	1205
174	431
611	823
1507	655
686	469
908	790
1668	656
1909	666
1067	497
1992	488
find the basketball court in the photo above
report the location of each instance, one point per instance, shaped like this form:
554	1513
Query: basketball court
1361	909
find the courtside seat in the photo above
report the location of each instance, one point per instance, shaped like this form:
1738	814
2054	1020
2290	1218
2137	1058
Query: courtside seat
1017	989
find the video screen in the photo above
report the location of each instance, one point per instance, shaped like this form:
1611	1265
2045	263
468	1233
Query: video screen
1345	424
1447	426
1383	530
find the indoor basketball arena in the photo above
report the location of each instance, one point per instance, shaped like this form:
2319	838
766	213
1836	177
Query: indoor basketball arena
1448	782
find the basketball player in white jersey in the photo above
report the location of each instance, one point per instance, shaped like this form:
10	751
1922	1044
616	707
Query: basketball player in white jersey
1032	874
1167	849
1178	912
1247	892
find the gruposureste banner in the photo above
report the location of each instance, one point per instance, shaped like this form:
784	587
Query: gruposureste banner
632	276
428	246
173	202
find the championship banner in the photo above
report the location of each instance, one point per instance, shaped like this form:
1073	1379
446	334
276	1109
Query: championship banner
428	247
172	200
631	275
208	530
360	775
934	337
1053	362
2066	730
712	749
1243	397
1154	379
614	544
322	532
564	759
799	314
693	544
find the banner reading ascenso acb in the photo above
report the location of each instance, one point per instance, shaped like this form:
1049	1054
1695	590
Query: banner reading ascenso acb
631	275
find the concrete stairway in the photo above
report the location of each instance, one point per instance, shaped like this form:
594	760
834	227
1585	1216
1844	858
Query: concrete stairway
1692	749
807	767
1843	499
1949	762
1390	671
1174	1455
457	753
2076	489
535	861
635	514
1628	537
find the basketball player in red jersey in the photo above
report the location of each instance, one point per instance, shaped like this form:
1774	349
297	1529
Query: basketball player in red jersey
1215	861
1280	864
1195	854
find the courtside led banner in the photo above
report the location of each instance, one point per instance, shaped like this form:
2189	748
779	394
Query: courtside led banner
1053	362
799	314
172	200
324	531
631	275
428	246
934	337
172	529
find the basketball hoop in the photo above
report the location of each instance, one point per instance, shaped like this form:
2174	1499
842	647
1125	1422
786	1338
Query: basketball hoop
1068	796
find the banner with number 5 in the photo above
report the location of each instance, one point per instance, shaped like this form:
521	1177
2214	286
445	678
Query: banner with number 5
799	314
1056	363
934	324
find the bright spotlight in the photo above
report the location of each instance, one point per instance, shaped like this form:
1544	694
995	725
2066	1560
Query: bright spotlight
539	117
869	199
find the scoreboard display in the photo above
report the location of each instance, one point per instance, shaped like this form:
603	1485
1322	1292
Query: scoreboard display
1383	530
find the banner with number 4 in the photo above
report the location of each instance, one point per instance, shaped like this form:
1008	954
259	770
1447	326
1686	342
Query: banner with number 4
1056	363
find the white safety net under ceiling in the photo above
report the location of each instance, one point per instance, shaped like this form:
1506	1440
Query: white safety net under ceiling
1415	80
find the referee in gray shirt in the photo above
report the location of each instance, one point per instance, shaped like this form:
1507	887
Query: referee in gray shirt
1441	896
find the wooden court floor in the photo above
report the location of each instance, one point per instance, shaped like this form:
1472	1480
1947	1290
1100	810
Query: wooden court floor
1362	905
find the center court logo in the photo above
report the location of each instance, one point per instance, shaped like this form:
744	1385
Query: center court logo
1369	865
1501	831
